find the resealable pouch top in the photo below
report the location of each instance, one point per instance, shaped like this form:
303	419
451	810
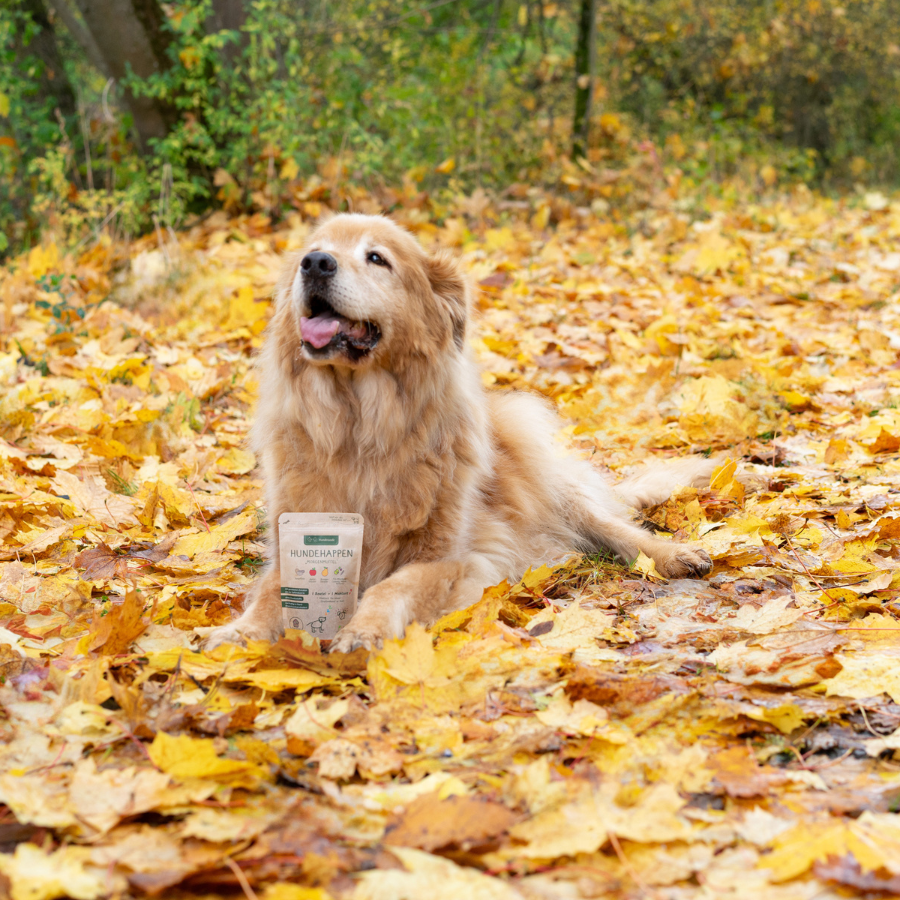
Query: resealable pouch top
319	555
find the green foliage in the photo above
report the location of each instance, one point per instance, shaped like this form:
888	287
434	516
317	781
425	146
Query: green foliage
310	99
377	86
815	80
365	90
74	173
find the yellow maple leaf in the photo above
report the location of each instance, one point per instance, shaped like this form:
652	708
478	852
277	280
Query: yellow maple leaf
577	630
236	462
724	480
42	259
412	659
245	312
185	757
873	841
37	874
865	675
218	537
713	410
289	169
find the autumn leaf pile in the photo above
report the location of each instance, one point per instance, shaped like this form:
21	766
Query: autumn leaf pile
593	731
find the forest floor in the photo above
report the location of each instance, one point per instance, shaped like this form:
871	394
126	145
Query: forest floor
593	731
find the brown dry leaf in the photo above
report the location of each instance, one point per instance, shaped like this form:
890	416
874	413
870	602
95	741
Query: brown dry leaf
430	823
94	500
116	626
737	771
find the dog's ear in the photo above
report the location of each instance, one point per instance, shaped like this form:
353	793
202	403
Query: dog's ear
452	290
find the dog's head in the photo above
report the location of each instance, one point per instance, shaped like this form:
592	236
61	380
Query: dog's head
364	292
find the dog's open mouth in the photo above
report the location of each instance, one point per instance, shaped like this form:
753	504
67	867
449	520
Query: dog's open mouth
326	332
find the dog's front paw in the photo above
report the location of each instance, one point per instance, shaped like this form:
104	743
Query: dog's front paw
351	638
239	633
684	562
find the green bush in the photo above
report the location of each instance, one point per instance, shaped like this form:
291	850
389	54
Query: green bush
309	102
818	75
365	90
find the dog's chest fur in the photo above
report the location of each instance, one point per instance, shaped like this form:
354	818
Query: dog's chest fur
354	451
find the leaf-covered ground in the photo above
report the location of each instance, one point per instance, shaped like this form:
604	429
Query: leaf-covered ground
593	731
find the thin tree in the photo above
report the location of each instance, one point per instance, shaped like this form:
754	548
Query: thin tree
584	77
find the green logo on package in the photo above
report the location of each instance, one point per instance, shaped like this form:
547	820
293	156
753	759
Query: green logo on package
316	540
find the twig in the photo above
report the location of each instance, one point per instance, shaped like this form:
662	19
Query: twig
626	865
50	765
249	893
197	504
862	709
86	140
799	560
108	117
831	762
130	735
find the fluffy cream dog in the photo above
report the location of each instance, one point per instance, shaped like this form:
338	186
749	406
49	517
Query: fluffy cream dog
371	403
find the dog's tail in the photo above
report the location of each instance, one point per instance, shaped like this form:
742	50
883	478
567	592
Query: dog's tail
655	482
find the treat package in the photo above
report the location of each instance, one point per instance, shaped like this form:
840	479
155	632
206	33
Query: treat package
319	554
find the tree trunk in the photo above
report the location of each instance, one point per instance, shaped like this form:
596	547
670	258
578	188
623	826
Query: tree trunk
131	34
68	14
228	15
53	79
584	77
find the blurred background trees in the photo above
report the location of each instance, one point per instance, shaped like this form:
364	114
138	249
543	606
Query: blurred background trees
114	113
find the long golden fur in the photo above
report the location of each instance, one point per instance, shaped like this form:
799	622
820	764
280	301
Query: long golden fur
460	487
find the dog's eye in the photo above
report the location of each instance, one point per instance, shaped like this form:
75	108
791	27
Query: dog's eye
377	259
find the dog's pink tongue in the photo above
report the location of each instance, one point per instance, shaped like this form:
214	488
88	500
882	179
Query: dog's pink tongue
320	330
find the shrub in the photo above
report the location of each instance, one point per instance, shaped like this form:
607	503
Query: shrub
818	75
308	99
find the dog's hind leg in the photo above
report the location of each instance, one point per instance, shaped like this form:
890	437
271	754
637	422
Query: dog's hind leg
654	482
418	592
613	532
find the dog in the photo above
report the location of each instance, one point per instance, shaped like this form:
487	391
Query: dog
370	402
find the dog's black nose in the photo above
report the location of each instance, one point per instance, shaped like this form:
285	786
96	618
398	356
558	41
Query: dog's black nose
318	264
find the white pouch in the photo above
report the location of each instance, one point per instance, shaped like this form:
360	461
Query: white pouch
319	554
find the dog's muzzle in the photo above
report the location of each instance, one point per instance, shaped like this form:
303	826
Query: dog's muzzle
326	332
